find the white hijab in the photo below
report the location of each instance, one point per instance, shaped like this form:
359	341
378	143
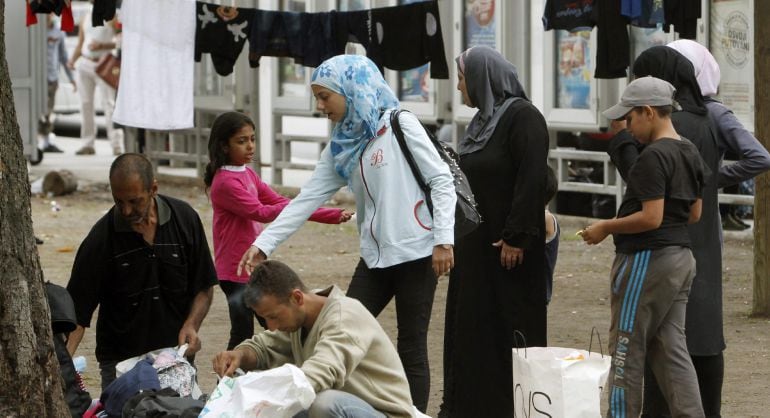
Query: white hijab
706	68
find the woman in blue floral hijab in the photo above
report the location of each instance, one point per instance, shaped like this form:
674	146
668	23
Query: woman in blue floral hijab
403	248
367	96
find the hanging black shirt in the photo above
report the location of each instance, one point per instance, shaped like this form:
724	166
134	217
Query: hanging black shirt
221	32
569	15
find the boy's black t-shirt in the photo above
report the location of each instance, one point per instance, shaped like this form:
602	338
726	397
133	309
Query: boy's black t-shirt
674	171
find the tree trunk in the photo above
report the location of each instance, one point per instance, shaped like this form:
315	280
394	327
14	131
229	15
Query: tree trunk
761	304
30	384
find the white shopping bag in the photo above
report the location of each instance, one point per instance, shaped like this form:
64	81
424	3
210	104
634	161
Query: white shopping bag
558	382
275	393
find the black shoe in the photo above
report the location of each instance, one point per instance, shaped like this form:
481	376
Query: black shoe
731	223
52	148
38	241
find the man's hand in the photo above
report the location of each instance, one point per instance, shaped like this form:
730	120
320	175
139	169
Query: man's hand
250	259
443	259
226	362
510	257
188	335
616	126
345	216
594	234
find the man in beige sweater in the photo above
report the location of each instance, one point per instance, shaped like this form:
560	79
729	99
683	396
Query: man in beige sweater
342	349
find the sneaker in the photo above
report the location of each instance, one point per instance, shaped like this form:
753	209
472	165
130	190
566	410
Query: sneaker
52	148
731	223
87	150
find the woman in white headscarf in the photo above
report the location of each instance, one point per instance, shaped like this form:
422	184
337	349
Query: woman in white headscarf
703	325
403	248
498	285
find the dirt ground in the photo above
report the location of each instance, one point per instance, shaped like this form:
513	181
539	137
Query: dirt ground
324	255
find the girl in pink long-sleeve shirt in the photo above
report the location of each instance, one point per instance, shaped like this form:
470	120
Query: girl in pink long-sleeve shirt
241	202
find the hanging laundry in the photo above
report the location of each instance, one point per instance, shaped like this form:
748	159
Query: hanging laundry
221	32
648	13
321	40
103	11
277	34
61	8
571	15
406	37
156	77
684	15
632	9
613	48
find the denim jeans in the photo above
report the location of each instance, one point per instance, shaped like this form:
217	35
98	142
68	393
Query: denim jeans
413	284
338	404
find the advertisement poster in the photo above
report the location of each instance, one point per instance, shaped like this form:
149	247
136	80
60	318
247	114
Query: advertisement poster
414	85
732	44
573	80
479	23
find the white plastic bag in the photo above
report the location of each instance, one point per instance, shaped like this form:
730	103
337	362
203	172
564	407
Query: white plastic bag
275	393
558	382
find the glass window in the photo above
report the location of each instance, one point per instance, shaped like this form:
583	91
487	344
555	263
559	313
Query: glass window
291	77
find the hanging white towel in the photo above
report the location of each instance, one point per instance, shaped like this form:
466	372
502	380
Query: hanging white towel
156	80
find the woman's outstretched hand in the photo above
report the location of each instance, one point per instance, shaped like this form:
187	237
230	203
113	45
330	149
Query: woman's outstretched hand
250	259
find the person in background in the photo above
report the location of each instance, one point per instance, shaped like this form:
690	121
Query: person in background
56	56
403	248
498	284
703	325
692	122
552	234
93	43
241	202
343	351
654	266
146	265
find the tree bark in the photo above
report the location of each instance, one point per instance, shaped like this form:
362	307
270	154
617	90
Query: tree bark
30	384
761	304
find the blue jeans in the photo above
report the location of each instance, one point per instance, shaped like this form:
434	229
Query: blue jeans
338	404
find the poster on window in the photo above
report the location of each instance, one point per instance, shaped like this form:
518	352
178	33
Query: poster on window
479	23
573	80
732	44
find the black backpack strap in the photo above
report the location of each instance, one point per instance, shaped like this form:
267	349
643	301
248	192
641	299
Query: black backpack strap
399	133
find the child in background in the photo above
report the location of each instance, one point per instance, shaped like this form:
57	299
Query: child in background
654	266
552	233
241	202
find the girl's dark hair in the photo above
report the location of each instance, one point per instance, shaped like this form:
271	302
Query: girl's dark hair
223	128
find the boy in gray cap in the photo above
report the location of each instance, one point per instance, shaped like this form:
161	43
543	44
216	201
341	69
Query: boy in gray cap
653	267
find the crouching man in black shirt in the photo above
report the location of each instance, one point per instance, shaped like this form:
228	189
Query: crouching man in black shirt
147	265
654	266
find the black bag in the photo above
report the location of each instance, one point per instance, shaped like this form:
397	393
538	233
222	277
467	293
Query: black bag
163	403
63	321
467	216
